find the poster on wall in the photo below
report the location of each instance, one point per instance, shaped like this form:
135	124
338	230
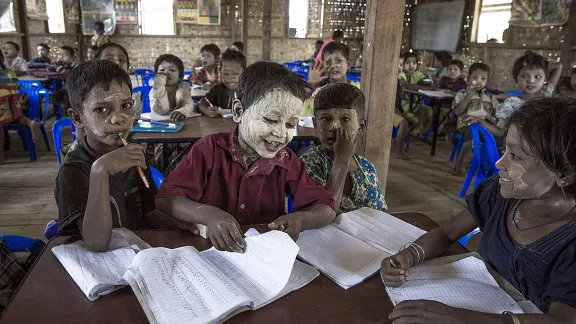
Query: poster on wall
7	24
126	12
209	12
540	13
71	11
101	10
36	9
187	12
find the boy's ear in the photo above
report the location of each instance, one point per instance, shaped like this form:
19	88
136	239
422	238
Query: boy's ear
237	110
76	117
362	126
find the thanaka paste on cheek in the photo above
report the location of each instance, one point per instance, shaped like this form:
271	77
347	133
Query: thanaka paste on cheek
516	171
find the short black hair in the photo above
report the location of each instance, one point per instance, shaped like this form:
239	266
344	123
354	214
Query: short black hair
211	48
111	44
548	125
444	57
334	47
340	96
16	46
319	42
239	45
68	49
263	77
44	45
529	60
172	59
232	55
93	47
338	34
408	55
478	66
458	63
90	74
99	25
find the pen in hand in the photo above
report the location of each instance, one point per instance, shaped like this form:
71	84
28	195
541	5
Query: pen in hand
139	169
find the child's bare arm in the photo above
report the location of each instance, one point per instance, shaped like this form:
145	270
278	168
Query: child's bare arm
318	216
555	73
343	152
461	108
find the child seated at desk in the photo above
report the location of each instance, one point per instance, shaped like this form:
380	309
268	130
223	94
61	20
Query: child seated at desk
527	218
412	79
43	57
98	187
170	95
218	101
351	179
66	59
336	61
243	177
12	61
206	71
454	81
475	102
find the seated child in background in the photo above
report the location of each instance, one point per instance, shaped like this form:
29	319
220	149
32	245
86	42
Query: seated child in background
336	61
218	100
99	38
454	81
475	102
411	78
206	72
441	61
350	178
405	122
43	57
12	61
237	46
118	54
91	52
66	59
170	95
243	177
526	215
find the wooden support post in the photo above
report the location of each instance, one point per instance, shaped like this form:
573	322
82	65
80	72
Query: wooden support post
267	30
23	22
382	39
569	44
245	26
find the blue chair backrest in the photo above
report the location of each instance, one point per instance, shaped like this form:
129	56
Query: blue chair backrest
485	152
141	75
516	93
57	128
145	96
157	176
352	77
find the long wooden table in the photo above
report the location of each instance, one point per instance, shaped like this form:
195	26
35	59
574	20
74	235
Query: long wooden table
49	295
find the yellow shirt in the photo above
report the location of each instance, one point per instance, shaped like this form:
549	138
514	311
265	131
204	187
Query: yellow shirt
308	107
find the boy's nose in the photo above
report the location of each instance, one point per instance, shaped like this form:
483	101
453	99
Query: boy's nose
118	118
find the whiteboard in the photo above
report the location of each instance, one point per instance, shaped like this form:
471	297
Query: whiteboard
437	26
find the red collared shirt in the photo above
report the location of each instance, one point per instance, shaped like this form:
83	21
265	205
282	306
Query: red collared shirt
214	173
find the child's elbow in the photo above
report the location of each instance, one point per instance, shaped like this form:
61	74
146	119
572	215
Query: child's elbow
96	246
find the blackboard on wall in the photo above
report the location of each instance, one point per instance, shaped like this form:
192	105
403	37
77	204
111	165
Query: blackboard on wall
437	26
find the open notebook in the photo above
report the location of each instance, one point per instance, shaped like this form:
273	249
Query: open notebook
100	273
183	285
351	248
465	283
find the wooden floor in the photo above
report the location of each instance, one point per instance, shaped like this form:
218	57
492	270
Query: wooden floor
423	184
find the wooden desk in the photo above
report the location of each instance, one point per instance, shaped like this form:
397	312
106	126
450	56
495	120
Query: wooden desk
31	78
49	295
198	127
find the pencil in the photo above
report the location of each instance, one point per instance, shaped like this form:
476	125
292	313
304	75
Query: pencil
139	169
208	101
360	167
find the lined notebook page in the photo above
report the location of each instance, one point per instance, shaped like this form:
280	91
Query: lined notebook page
262	271
378	229
463	284
180	286
341	257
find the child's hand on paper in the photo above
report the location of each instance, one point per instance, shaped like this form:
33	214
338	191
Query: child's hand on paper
224	232
177	116
290	224
428	311
394	270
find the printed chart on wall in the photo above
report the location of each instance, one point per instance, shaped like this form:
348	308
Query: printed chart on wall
71	11
187	12
209	12
530	13
93	11
126	12
36	9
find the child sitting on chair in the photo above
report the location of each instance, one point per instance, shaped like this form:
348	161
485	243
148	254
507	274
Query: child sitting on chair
412	79
43	57
454	81
243	177
12	61
66	59
206	71
169	95
475	102
218	100
350	178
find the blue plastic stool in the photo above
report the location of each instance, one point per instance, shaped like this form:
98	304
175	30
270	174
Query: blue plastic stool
57	128
141	75
145	96
19	243
464	239
483	163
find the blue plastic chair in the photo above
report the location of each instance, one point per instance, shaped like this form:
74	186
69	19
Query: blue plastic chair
145	96
157	176
464	239
516	93
290	208
457	147
352	77
147	80
19	243
57	128
141	75
486	154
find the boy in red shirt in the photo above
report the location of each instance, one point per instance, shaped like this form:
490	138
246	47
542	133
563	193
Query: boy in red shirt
243	177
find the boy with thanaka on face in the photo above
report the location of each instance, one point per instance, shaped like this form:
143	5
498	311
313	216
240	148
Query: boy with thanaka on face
243	177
